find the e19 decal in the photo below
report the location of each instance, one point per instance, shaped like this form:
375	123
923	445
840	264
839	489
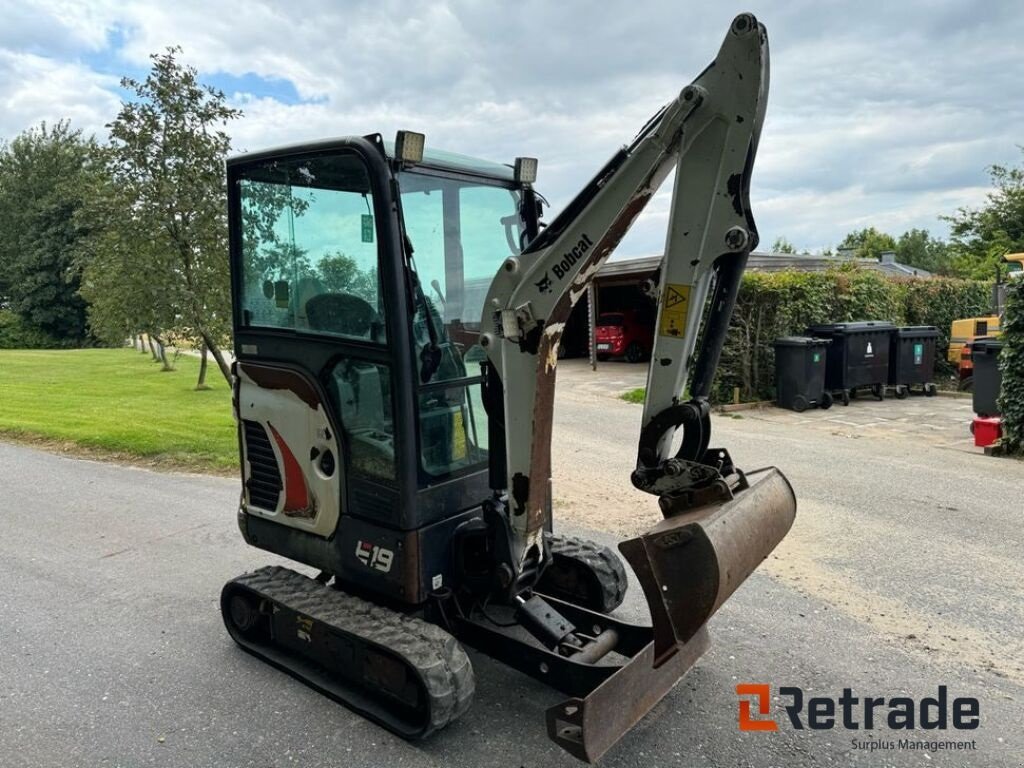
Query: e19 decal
372	556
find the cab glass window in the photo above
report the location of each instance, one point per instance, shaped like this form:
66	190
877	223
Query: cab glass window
361	394
461	231
309	247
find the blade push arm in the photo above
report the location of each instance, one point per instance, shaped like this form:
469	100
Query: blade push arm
710	131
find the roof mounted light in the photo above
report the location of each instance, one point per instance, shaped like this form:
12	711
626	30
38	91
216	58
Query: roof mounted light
525	170
409	146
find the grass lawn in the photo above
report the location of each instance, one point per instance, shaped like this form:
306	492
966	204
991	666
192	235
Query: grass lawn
634	395
117	403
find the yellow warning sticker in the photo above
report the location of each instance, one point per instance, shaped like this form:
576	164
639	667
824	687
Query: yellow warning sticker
673	310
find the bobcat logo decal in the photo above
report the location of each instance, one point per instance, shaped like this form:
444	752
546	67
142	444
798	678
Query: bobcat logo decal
544	284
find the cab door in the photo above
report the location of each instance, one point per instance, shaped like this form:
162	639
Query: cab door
312	282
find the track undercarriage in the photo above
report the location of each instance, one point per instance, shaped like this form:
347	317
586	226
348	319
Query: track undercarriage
408	673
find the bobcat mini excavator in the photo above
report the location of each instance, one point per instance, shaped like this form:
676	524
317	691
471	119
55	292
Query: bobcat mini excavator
397	315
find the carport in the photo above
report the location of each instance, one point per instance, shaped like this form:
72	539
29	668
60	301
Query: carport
619	285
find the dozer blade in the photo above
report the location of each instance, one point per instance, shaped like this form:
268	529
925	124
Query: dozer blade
689	564
587	727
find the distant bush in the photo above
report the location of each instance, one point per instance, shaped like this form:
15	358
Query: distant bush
775	304
15	333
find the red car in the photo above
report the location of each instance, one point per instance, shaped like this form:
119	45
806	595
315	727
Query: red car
624	334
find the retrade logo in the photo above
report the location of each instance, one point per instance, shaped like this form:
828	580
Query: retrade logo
762	698
849	712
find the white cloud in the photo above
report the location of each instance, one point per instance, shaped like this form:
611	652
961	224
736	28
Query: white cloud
84	23
880	114
34	88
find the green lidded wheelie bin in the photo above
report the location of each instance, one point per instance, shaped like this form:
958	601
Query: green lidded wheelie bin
912	359
858	357
800	373
987	378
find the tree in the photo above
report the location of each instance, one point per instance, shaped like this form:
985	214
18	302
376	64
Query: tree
982	236
339	272
782	245
917	248
868	243
342	274
122	272
166	157
40	191
4	281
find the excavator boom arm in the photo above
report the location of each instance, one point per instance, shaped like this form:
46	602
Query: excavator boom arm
709	132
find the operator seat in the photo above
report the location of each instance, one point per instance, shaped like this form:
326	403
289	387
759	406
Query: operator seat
343	313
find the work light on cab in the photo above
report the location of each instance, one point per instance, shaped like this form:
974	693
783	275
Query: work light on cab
409	147
525	170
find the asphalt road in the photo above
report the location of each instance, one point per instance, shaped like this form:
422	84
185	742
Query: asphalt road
903	573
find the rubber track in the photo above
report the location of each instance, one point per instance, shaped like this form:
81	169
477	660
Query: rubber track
437	657
600	560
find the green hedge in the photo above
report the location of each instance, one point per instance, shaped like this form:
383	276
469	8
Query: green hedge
15	333
1011	363
775	304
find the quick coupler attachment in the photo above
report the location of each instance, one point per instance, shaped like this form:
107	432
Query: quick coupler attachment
690	563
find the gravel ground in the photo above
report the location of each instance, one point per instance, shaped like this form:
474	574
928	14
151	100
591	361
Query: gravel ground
903	572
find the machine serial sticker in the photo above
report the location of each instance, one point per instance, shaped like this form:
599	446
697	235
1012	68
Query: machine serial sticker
674	309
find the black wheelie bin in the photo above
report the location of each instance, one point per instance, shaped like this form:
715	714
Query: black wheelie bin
800	373
987	378
858	357
912	359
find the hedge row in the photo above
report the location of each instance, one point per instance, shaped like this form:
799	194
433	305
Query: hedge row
1011	362
775	304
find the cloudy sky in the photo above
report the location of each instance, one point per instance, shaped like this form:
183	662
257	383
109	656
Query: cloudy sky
881	114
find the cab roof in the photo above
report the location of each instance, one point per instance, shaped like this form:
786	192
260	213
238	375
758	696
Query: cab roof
432	158
453	161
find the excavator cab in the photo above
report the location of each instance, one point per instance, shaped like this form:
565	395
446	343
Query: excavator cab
360	280
397	318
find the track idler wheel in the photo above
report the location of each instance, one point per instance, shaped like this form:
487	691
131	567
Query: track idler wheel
244	613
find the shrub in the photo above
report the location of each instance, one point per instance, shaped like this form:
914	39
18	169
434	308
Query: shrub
15	333
1011	364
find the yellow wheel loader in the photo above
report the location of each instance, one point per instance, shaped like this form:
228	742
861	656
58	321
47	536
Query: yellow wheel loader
397	318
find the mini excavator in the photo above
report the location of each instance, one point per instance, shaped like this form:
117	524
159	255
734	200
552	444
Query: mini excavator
397	315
